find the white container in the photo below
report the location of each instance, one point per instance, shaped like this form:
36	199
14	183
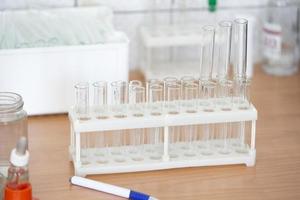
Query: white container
44	77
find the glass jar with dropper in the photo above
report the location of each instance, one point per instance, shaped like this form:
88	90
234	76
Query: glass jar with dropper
13	125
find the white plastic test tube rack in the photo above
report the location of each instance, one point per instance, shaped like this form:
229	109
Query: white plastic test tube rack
79	127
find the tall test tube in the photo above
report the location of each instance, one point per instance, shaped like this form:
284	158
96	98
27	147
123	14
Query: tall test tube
241	81
208	86
225	86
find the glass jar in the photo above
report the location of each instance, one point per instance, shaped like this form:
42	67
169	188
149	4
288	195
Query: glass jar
280	50
13	125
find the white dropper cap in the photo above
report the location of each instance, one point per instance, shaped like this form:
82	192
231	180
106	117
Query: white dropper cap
19	156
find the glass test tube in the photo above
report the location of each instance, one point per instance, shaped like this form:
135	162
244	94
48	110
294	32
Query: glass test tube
152	82
134	135
132	85
240	47
224	89
119	109
224	33
187	80
208	33
241	83
101	113
155	106
190	97
82	101
100	100
119	98
168	80
208	87
172	106
137	108
225	93
82	111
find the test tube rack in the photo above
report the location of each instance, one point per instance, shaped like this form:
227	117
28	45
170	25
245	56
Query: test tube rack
165	121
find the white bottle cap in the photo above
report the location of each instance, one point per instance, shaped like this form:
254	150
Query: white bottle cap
19	156
19	160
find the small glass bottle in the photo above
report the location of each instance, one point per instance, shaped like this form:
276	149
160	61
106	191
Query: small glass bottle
13	125
280	50
18	185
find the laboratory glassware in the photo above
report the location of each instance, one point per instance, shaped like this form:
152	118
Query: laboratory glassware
166	81
208	33
137	109
241	80
119	91
189	105
82	111
207	85
240	30
224	48
225	86
155	106
101	113
119	98
152	82
17	183
100	100
172	107
82	100
13	124
280	50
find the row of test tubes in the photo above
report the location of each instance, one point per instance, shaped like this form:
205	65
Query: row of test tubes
174	96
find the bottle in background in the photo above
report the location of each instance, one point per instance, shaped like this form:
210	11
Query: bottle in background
280	50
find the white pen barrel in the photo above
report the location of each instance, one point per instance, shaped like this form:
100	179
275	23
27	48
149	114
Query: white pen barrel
103	187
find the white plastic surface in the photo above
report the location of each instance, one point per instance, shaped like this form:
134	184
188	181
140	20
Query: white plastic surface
44	77
99	186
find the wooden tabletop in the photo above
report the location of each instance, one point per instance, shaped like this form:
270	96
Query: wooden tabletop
275	176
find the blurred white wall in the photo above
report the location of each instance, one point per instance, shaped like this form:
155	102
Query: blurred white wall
130	14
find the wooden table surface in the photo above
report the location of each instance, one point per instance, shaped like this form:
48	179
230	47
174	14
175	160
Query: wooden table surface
275	176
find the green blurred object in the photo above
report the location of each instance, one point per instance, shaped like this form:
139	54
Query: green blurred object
212	5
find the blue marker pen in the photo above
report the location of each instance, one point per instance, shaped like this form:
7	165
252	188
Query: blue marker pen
110	189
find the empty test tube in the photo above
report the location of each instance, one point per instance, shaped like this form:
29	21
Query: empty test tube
173	92
82	111
155	106
172	107
225	86
82	101
137	108
225	34
240	29
208	86
101	112
100	100
119	98
241	81
131	86
119	109
152	82
189	105
207	53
